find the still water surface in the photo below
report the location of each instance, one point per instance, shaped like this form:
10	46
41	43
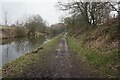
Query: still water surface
12	49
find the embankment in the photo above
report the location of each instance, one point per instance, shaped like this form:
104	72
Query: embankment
12	32
98	47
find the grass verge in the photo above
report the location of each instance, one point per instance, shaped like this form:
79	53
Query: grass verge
17	66
104	65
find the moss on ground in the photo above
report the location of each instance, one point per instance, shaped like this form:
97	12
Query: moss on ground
17	66
105	64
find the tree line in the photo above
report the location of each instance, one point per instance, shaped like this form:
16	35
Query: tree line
88	14
34	25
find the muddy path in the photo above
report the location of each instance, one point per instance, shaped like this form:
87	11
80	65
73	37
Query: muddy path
66	64
60	63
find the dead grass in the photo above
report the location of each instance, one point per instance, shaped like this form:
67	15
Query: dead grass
99	46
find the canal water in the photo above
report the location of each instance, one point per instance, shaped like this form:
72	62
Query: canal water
12	49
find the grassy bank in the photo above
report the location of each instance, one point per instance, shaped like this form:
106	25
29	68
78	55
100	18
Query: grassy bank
102	60
16	67
12	32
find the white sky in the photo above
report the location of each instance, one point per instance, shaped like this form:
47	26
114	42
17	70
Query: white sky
19	9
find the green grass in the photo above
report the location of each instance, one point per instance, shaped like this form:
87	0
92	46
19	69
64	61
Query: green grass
17	66
105	65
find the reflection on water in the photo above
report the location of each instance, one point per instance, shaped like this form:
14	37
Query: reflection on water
12	49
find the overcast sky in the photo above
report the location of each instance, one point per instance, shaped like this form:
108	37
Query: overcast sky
19	9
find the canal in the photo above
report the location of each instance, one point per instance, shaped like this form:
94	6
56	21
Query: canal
12	49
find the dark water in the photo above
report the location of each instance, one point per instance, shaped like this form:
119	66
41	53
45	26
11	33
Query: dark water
12	49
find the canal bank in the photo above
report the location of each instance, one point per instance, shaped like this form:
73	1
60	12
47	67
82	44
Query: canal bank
12	49
21	64
12	32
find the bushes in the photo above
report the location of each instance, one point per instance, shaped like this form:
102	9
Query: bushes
19	32
12	32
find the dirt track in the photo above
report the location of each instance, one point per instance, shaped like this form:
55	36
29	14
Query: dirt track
61	63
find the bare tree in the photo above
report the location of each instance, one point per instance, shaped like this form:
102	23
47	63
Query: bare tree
92	12
35	24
